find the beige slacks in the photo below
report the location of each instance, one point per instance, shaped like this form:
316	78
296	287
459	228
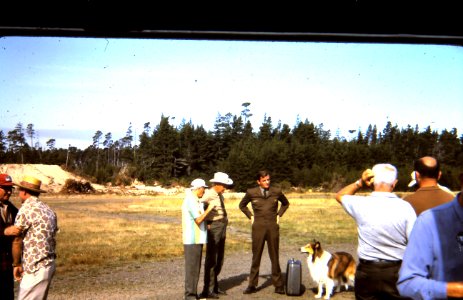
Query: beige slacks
35	286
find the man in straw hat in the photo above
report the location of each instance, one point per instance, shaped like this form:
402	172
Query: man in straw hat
7	232
194	235
34	253
217	222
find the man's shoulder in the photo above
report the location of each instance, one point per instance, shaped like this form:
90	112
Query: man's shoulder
253	190
275	189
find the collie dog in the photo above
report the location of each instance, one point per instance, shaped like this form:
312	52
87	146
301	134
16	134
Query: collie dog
328	269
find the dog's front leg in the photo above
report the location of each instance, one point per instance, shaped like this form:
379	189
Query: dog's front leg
320	290
329	288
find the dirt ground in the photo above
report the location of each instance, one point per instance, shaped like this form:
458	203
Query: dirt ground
164	280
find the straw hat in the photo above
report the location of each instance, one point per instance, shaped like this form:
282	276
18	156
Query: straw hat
31	184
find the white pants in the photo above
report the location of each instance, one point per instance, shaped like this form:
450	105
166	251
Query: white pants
35	286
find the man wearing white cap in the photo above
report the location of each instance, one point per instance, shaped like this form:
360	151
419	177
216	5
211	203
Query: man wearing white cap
426	174
36	266
194	235
384	223
217	222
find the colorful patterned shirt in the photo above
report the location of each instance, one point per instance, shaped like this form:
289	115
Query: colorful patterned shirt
192	209
39	224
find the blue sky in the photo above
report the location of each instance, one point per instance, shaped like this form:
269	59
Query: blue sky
71	87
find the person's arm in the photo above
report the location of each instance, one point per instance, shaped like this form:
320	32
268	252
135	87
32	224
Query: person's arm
17	250
415	280
12	231
244	206
351	189
455	289
284	205
203	216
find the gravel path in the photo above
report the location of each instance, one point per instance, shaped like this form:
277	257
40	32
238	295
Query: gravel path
164	280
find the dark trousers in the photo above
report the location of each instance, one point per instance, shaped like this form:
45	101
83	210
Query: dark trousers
7	284
265	231
377	281
193	255
215	251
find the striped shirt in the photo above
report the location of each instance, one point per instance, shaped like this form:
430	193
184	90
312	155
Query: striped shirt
192	209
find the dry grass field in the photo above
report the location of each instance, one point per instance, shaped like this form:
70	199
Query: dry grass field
103	233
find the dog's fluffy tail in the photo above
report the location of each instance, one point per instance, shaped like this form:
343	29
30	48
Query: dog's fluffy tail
341	266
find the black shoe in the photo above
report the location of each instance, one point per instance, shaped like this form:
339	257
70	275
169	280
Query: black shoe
250	290
209	295
220	292
280	290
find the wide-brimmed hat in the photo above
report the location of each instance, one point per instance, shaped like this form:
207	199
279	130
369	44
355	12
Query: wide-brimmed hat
31	184
222	178
6	180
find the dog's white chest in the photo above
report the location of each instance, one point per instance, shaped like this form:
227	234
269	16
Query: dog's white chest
319	268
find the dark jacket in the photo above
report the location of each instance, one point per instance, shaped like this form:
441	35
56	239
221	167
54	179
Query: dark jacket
6	258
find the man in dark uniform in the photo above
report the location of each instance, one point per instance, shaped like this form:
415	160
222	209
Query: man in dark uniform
265	228
7	232
217	222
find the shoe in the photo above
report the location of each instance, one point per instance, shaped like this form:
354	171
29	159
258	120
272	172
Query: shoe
250	290
280	290
220	292
204	295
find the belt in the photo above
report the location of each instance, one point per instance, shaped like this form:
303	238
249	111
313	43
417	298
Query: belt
223	220
380	261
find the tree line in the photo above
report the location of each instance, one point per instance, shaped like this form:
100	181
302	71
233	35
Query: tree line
305	156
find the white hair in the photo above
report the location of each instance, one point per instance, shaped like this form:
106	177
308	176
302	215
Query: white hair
384	173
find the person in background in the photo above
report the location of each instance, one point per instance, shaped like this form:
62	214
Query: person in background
265	228
426	175
194	235
34	253
217	222
7	234
432	266
384	223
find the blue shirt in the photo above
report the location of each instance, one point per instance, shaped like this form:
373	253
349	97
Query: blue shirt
191	209
433	256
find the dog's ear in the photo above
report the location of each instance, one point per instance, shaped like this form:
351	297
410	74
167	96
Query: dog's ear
317	245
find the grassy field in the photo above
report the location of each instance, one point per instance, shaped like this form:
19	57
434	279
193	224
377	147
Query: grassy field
109	230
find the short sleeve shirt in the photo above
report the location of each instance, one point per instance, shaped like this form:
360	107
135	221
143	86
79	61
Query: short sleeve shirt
39	224
384	223
192	232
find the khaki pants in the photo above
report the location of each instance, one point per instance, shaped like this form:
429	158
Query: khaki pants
35	286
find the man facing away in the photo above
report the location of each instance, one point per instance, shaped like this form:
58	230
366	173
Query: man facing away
36	266
432	267
265	228
429	194
7	232
384	222
217	222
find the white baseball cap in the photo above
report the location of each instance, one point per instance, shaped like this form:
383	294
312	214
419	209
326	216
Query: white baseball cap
197	183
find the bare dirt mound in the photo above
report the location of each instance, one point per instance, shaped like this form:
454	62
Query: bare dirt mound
53	177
